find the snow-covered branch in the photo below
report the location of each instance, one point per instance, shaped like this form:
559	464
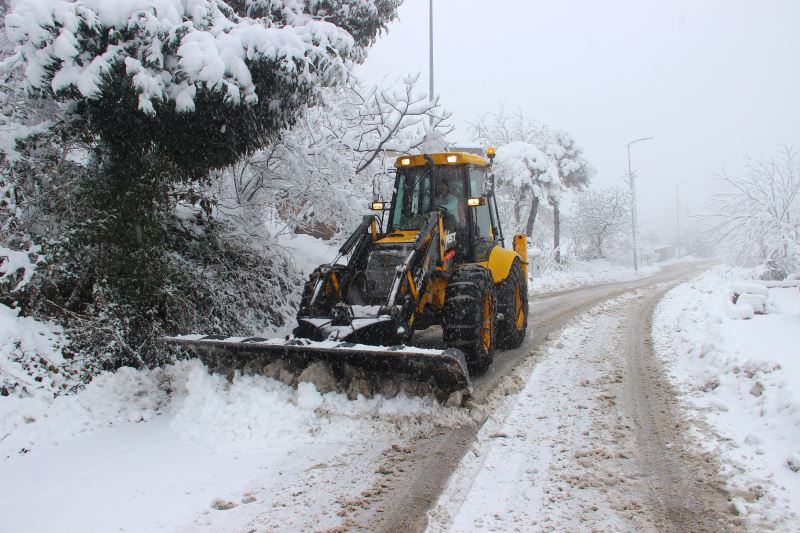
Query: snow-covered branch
758	218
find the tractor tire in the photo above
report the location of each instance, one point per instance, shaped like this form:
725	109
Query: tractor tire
326	302
468	321
512	303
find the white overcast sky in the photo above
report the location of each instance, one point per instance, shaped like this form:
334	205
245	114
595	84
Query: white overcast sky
712	81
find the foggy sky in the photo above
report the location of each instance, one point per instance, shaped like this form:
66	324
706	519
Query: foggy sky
712	81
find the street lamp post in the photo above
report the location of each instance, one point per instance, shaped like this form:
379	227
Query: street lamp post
430	62
633	201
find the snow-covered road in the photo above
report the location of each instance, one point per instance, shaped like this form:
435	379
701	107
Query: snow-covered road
593	441
579	429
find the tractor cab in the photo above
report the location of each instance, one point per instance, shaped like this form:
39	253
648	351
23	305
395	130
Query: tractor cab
457	185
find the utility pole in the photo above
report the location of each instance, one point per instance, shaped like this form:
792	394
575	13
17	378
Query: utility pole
633	201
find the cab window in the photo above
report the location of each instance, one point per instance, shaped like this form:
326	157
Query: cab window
415	195
411	200
483	220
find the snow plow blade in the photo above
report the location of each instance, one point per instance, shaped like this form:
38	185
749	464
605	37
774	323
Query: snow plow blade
447	369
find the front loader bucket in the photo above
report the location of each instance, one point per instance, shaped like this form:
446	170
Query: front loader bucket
446	368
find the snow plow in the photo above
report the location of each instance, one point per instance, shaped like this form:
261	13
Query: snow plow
434	255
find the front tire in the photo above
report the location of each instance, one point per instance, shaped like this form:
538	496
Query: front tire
468	322
512	303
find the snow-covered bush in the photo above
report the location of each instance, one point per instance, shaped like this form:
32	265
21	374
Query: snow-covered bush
216	280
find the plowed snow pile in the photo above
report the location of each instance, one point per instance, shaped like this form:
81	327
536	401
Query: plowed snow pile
187	445
739	379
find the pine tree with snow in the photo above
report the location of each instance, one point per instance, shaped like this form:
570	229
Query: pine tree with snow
162	92
573	172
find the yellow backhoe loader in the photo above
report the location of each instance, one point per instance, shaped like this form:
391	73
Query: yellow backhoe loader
434	255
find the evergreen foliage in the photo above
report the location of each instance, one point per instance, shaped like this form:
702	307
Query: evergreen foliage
132	106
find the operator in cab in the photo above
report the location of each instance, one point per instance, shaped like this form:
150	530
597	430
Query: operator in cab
451	203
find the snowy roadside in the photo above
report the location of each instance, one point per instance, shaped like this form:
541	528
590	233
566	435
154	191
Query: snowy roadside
739	383
197	452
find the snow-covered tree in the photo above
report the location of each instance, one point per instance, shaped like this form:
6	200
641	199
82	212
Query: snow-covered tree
191	85
523	168
573	173
529	172
317	177
160	94
372	121
757	220
536	161
501	128
600	216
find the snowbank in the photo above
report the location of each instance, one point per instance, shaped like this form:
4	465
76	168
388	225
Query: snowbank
195	450
248	413
585	273
739	373
308	252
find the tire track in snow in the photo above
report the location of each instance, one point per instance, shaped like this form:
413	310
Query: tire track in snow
593	442
684	491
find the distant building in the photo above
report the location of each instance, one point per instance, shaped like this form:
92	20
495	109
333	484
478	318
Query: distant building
664	252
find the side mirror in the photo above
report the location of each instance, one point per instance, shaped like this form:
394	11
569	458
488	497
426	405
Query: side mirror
375	192
488	185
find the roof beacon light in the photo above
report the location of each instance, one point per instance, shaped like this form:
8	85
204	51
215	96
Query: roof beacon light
452	158
491	152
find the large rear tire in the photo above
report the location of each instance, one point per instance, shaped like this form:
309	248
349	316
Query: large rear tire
468	322
512	303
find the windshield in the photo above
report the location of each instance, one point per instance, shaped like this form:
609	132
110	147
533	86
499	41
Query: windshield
415	196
